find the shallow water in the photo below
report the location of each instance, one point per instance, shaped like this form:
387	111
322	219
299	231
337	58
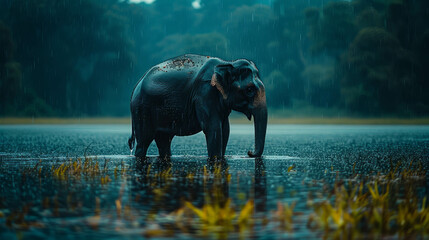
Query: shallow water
144	200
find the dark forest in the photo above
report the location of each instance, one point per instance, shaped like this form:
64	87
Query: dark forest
82	58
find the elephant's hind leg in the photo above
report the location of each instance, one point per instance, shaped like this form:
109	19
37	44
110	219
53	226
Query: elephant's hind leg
144	136
163	142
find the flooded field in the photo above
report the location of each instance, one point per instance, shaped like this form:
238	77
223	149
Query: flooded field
314	181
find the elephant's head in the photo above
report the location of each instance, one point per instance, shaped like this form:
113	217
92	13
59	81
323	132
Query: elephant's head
243	91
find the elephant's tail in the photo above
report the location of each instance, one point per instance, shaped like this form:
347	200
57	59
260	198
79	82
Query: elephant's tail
133	136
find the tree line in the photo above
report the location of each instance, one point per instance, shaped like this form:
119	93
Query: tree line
83	58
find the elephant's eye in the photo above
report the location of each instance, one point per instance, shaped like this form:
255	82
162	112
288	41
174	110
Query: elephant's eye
250	91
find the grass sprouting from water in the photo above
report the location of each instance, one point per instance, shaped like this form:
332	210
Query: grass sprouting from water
359	206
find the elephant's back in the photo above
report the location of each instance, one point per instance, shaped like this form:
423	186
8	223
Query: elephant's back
175	75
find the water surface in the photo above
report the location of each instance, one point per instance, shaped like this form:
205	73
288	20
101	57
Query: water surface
124	199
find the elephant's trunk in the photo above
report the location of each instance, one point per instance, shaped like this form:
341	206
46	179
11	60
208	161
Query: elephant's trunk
260	120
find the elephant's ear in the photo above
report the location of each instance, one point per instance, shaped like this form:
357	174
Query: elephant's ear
221	78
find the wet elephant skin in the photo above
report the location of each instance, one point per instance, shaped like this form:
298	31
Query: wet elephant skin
192	93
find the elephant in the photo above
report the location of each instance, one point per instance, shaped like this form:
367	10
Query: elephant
191	93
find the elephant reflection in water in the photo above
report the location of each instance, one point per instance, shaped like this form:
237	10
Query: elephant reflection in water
260	186
160	188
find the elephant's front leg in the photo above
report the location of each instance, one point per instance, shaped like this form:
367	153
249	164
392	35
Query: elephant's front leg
213	134
225	135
